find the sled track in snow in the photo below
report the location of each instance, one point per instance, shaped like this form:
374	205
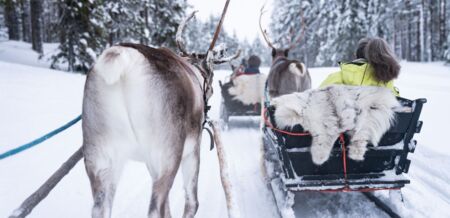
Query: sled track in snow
370	197
381	205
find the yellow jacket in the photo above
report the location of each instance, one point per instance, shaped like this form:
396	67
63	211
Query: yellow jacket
357	73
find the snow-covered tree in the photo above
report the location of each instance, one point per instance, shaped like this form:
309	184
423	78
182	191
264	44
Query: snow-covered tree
166	15
82	37
416	29
125	21
447	51
260	49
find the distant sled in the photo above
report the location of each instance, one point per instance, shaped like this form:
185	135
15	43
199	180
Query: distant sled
289	166
241	96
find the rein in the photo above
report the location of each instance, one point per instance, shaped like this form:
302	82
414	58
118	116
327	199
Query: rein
206	107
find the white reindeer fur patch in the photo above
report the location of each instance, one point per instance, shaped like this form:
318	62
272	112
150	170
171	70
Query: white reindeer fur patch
249	89
364	112
295	70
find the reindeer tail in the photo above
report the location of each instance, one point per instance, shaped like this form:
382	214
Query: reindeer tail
113	63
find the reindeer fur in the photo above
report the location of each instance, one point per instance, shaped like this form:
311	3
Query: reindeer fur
144	104
287	76
366	113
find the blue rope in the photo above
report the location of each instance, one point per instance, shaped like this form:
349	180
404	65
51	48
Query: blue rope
39	140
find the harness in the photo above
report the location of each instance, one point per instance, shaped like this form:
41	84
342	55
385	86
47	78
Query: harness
207	81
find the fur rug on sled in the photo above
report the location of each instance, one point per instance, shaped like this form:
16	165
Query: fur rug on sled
364	112
248	89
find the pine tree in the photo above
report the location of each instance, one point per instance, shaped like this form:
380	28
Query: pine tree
447	51
351	28
328	29
50	21
166	15
262	51
82	37
124	21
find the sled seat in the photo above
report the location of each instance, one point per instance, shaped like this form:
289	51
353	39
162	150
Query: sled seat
382	167
235	107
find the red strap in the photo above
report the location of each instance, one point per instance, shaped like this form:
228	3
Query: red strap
239	74
267	122
344	156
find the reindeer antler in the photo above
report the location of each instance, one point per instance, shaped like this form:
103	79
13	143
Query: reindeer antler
179	36
182	47
293	43
221	59
228	59
263	31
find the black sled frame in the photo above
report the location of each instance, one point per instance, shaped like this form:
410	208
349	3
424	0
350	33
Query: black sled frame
382	168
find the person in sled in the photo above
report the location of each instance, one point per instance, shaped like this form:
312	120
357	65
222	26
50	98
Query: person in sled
253	65
375	65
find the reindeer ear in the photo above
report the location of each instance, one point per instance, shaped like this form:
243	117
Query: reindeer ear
286	52
274	52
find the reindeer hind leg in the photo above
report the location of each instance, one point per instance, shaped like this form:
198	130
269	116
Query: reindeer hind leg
163	172
103	174
190	167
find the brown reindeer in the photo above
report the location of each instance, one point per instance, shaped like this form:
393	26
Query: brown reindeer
147	104
286	75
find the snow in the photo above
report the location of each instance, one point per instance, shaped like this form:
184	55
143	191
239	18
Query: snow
36	100
20	52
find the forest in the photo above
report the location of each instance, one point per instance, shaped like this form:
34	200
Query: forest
418	30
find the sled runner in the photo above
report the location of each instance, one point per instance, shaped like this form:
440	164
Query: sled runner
232	107
288	159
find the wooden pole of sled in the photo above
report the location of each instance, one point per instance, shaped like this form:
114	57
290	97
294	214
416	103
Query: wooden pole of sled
28	205
232	206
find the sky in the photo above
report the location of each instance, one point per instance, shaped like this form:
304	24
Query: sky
242	15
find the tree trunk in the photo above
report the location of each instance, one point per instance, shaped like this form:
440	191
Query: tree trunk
418	38
409	31
25	14
434	25
442	23
12	19
36	17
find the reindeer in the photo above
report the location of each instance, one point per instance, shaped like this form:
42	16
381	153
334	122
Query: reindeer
286	75
147	104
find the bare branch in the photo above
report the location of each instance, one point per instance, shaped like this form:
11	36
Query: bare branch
263	31
179	36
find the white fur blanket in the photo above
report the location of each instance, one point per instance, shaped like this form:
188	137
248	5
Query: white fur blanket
364	112
249	89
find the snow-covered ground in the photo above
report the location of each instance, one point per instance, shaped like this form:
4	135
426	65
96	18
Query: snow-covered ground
35	100
21	53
